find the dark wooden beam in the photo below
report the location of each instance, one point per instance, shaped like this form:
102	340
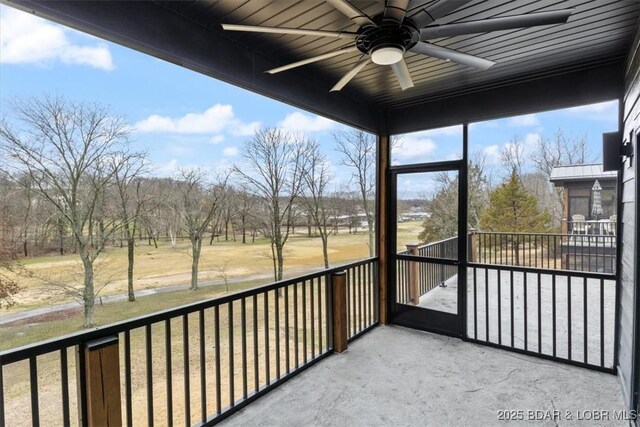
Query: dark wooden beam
382	216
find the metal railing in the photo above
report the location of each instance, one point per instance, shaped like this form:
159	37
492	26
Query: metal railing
559	315
603	227
428	275
193	364
362	299
582	252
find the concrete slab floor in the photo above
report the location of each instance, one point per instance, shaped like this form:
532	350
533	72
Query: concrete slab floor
398	376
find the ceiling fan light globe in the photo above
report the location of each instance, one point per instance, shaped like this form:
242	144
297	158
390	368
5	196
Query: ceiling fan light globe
387	55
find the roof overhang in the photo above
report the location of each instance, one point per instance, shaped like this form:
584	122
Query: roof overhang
580	63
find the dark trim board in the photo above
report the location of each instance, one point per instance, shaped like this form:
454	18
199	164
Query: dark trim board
635	386
584	86
154	29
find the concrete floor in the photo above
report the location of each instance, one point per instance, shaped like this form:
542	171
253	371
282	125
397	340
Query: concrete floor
397	376
442	298
445	299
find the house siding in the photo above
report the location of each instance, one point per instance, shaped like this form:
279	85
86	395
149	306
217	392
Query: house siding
628	341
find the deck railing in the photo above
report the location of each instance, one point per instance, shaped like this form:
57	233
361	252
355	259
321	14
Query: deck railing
426	276
603	227
581	252
560	315
194	364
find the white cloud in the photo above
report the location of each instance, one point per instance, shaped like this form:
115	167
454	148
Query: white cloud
242	129
601	111
299	122
523	121
27	39
492	154
230	151
415	147
531	139
216	139
170	169
216	119
167	169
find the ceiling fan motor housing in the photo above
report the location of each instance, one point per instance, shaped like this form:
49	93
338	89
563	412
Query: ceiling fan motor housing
387	43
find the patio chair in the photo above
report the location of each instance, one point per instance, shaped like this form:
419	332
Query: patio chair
579	224
610	225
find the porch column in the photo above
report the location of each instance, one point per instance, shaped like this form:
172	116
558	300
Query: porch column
102	370
414	276
340	325
382	218
472	256
564	223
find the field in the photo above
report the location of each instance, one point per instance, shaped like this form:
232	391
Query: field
245	265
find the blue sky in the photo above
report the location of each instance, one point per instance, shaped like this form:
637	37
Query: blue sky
185	119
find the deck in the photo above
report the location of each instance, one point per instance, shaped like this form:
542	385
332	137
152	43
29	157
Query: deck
398	376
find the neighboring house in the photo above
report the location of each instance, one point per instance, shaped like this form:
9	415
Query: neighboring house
577	182
591	243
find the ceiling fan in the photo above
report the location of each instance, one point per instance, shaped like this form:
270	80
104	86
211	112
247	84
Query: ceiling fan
386	38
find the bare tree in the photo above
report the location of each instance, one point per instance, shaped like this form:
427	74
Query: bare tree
130	200
244	206
223	273
512	156
200	203
272	170
73	287
316	201
359	154
559	150
71	153
9	268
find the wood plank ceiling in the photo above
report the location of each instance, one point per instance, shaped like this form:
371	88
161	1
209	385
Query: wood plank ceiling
597	32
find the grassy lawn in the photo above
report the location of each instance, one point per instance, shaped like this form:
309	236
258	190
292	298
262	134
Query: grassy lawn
245	265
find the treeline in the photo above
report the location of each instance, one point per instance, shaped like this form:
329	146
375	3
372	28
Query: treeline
71	181
31	227
515	195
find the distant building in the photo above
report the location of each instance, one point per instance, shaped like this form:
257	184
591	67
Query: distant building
589	241
577	182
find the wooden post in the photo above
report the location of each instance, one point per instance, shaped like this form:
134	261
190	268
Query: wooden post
473	245
564	223
381	224
414	276
102	370
339	291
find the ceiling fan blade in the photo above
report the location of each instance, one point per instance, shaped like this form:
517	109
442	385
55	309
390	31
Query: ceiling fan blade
395	11
293	31
351	12
314	59
402	74
496	24
426	15
451	55
351	73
